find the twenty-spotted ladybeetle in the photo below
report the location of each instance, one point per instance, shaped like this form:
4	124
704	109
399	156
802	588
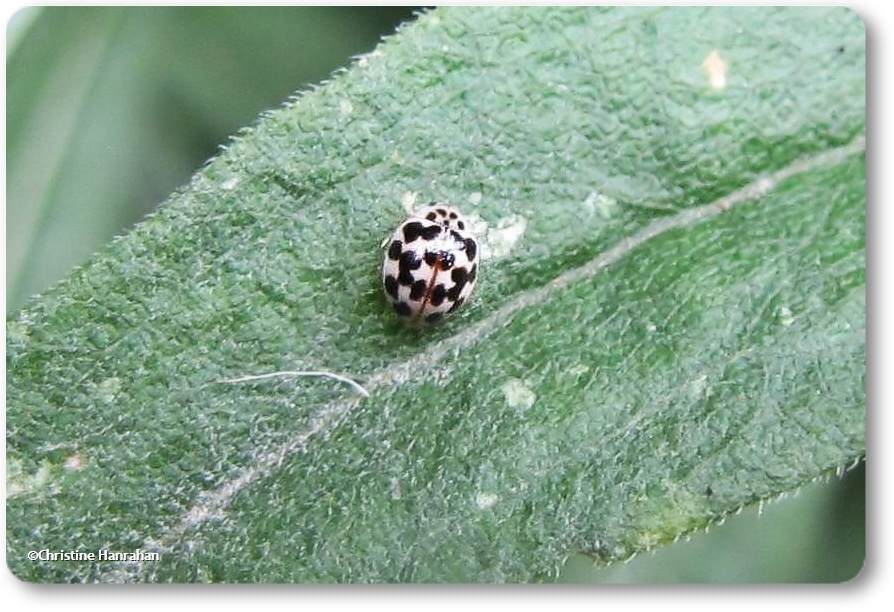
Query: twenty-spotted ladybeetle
431	264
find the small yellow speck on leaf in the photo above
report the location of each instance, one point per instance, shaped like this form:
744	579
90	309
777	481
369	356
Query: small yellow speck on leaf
75	462
715	67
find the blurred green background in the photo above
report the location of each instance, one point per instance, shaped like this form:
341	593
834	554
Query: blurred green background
110	109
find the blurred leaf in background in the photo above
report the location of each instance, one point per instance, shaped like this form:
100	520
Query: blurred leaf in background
110	109
817	535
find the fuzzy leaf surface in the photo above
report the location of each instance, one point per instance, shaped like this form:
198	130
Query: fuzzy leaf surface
669	324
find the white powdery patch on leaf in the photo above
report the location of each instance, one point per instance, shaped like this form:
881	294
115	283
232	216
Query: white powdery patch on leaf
600	204
408	201
498	241
108	389
74	462
785	316
485	500
698	387
518	394
578	370
715	67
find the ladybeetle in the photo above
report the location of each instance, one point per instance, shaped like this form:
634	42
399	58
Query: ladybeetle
431	264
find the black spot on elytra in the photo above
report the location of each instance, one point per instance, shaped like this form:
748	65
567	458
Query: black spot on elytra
402	309
414	230
447	259
453	215
394	249
442	212
418	290
438	294
471	248
443	259
391	286
473	274
456	304
431	216
408	263
461	225
457	236
460	276
434	317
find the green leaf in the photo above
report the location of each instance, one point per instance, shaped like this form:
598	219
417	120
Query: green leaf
669	324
